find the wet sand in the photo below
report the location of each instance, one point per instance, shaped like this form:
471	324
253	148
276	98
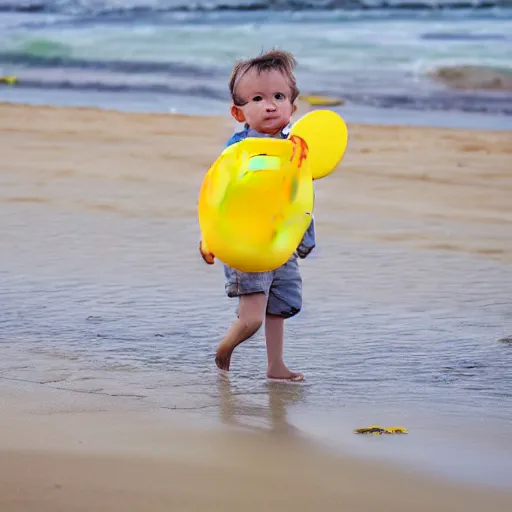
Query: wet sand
420	188
63	452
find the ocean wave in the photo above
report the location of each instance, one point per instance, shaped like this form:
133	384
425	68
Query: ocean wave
56	57
105	7
199	91
14	6
482	78
437	101
459	36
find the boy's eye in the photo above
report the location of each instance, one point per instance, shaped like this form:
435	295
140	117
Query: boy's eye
279	96
257	98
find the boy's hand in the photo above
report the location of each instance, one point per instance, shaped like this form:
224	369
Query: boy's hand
207	256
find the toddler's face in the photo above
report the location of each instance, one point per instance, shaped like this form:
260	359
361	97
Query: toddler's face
268	108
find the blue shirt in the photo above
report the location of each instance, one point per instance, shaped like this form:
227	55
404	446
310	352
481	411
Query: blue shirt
308	241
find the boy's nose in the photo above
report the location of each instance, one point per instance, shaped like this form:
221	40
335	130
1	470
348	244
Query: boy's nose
270	106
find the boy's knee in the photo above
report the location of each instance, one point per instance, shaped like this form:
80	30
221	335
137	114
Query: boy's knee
251	325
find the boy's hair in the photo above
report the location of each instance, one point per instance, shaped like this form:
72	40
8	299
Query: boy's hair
272	60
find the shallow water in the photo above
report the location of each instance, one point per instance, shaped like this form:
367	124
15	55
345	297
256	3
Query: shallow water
104	302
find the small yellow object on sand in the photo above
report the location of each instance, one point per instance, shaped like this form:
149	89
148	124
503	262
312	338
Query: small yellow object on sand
9	80
325	101
378	431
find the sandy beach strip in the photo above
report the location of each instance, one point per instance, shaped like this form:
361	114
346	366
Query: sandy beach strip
422	188
62	451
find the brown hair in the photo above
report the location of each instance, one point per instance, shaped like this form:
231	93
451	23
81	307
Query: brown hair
272	60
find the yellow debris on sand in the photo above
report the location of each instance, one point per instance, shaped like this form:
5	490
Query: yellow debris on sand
324	101
8	80
377	431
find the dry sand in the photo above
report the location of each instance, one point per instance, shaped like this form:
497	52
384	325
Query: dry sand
425	188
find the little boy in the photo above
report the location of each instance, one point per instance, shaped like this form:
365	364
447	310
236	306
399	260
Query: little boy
263	91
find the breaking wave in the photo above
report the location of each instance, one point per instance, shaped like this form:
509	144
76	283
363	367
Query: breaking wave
102	7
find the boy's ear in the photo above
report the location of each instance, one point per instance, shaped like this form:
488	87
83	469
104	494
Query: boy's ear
237	113
294	107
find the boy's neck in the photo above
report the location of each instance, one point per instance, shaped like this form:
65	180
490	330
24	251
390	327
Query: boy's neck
283	128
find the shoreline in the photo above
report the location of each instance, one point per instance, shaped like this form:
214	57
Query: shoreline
95	453
276	413
303	108
363	115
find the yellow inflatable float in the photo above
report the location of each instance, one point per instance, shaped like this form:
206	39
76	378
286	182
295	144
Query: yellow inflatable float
256	200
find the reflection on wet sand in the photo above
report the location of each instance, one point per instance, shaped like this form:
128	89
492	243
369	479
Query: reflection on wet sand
236	410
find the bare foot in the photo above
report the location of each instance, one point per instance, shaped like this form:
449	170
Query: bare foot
223	355
281	372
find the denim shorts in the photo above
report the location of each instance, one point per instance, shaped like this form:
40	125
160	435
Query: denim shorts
283	287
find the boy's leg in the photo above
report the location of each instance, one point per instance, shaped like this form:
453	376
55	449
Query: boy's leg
285	301
251	288
274	334
251	312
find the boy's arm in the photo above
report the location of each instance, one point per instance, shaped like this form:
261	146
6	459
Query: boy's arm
308	242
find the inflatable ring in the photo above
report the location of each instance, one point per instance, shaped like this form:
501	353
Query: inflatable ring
256	201
327	137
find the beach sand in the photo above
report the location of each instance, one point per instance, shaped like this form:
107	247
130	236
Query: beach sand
420	188
62	451
426	188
